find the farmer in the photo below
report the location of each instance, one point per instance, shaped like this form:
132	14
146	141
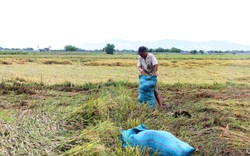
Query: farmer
148	65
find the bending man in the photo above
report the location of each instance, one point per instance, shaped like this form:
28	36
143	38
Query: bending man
148	65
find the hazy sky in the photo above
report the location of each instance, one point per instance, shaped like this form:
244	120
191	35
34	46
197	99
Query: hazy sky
56	23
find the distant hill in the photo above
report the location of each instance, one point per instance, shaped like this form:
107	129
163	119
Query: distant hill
167	44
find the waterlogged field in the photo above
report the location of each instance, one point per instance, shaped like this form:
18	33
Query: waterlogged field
78	103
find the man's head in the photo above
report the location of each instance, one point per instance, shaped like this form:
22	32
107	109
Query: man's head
142	51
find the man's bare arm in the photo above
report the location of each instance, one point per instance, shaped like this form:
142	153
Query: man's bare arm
155	69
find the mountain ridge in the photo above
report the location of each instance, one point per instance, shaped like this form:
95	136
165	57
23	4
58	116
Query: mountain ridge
166	44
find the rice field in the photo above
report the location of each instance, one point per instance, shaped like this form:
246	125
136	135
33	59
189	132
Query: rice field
78	103
94	68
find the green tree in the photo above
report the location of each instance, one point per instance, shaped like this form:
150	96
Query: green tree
175	50
159	49
201	51
151	50
193	51
28	49
70	48
109	48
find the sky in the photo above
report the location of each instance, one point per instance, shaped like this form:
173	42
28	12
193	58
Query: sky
56	23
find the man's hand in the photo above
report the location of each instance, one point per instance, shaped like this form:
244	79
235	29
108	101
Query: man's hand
142	72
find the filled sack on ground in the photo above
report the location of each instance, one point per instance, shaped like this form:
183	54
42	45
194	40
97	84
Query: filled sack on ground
161	142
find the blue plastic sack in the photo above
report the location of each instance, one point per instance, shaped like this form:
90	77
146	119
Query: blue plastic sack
159	141
146	89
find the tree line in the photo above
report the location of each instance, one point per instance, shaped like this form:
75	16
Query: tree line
110	49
